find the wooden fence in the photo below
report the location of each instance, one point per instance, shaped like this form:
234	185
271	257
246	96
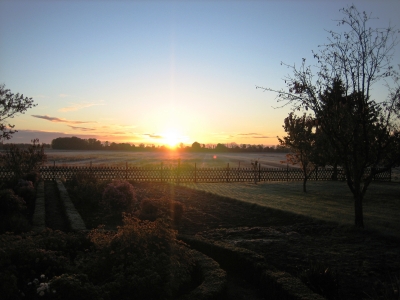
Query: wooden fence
185	174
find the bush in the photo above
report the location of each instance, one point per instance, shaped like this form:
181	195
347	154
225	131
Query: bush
151	209
10	203
143	260
33	176
86	189
73	286
24	161
26	190
119	194
321	280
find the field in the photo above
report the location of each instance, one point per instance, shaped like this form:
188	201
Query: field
143	159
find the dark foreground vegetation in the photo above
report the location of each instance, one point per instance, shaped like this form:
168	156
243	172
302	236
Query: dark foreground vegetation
132	246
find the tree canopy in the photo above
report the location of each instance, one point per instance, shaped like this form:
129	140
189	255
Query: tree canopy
11	105
362	131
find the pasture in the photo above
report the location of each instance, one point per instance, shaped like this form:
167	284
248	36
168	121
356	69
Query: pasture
170	158
330	201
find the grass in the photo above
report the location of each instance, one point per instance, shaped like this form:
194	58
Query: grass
329	201
146	159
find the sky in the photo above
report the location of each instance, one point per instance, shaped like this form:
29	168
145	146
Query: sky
161	72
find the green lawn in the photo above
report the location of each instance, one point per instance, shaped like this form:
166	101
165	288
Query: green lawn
331	201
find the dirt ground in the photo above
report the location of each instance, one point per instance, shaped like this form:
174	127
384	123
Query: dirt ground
337	261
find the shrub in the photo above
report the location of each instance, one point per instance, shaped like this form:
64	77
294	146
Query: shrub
321	280
143	260
119	194
33	176
24	161
85	189
11	203
26	190
13	212
151	209
73	286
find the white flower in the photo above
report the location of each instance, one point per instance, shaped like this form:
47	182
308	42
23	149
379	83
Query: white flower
42	276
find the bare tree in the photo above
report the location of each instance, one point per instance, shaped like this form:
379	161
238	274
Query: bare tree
10	105
363	132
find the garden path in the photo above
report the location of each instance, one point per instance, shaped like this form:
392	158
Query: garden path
55	215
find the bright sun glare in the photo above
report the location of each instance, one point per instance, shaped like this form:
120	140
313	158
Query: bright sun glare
171	138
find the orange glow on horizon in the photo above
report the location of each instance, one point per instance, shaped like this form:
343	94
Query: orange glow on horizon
171	138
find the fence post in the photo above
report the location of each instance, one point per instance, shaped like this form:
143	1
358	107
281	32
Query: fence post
126	170
287	172
259	172
227	173
390	175
316	173
195	173
54	166
178	169
161	172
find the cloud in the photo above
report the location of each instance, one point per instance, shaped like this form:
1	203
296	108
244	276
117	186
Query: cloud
63	95
252	133
81	128
77	106
58	120
154	136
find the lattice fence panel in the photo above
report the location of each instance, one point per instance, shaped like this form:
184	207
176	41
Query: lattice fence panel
176	175
211	175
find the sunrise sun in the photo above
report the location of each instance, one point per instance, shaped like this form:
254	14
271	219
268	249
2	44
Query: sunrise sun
171	138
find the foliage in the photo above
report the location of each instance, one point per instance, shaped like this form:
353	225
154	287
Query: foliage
142	260
11	203
73	286
321	279
152	209
86	189
13	212
119	194
301	140
361	131
11	105
26	191
75	143
24	162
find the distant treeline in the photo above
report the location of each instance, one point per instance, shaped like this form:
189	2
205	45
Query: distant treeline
22	145
75	143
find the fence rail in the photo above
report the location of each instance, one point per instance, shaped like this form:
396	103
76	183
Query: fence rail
186	174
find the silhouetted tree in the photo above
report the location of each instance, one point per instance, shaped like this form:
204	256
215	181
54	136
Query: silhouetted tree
196	146
301	140
11	105
363	132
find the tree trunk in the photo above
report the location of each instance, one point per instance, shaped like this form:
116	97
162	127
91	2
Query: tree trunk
358	209
335	172
305	178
